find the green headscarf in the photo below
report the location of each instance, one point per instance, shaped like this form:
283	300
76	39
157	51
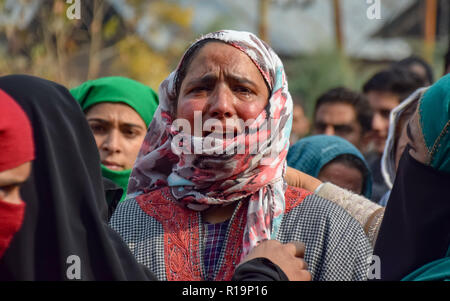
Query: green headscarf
434	111
438	270
118	89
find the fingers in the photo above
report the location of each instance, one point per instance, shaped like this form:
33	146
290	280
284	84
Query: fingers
297	248
305	275
300	248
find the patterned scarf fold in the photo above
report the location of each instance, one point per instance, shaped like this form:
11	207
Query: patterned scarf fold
201	174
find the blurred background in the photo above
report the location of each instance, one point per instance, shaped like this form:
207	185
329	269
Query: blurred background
323	43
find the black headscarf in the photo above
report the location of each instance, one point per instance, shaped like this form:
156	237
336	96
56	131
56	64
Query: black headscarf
416	224
66	212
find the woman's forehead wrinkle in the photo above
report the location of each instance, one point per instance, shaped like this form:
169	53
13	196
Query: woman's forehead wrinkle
206	67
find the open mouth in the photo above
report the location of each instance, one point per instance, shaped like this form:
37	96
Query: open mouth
112	165
216	135
227	134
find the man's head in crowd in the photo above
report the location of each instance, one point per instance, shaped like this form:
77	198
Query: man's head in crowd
385	90
418	66
300	122
344	113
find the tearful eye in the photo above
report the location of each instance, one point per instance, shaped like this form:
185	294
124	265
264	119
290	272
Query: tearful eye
199	89
243	90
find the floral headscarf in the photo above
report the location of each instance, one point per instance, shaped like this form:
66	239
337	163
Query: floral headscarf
198	181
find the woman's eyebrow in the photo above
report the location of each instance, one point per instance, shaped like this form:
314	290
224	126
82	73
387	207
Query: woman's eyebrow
122	124
206	79
241	80
211	78
131	125
11	182
98	120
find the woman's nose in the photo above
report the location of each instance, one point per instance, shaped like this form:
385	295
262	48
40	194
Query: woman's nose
112	142
221	103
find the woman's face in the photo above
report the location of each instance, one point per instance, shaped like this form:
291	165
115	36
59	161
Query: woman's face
222	83
119	132
343	176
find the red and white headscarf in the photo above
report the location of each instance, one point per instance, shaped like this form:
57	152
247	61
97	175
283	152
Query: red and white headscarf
198	181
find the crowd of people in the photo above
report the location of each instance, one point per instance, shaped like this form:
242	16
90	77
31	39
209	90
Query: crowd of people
221	176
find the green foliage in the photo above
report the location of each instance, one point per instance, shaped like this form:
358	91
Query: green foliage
139	62
68	51
111	27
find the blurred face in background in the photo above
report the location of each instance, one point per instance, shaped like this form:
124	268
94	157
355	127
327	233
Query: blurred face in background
300	124
119	132
382	103
421	72
338	119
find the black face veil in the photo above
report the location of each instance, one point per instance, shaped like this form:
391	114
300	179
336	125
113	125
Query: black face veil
416	226
66	213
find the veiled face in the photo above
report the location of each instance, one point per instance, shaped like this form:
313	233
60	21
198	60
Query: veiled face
223	84
416	141
11	180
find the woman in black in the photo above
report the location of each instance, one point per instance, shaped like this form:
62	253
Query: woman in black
66	212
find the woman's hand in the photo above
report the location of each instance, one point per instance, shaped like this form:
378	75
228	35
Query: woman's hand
299	179
288	257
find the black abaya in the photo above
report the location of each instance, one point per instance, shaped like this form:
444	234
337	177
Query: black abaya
66	212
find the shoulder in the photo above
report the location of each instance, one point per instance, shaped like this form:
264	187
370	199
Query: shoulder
336	245
316	210
142	232
294	196
134	214
125	216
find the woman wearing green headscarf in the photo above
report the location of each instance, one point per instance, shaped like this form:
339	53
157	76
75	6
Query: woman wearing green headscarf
119	111
414	238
